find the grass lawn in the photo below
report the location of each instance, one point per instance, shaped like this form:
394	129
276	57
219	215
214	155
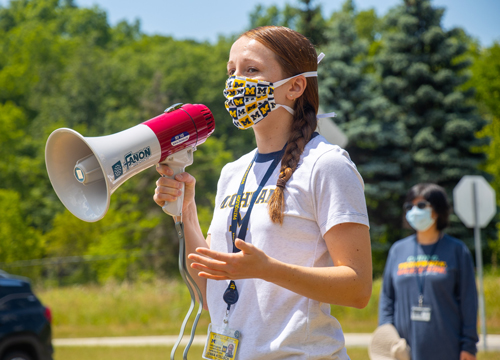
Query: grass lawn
158	308
163	353
155	308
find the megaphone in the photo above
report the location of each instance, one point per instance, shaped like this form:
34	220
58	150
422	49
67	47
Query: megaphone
85	171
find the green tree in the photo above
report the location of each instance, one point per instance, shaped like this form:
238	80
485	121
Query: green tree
346	88
310	22
426	122
65	66
305	17
272	15
367	25
486	81
28	56
19	240
343	85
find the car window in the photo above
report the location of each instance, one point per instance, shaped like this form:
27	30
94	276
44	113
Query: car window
17	302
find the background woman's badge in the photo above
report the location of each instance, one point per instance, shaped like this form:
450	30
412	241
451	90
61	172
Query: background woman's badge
421	313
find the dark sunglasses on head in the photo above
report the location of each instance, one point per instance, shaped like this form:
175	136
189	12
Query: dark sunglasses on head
407	206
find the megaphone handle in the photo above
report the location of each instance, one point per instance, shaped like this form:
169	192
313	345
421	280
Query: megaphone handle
177	162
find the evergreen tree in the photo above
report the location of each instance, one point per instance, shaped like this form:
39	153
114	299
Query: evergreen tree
347	89
273	15
311	23
367	24
342	83
428	123
305	17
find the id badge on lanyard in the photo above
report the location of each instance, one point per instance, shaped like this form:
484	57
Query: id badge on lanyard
420	313
223	342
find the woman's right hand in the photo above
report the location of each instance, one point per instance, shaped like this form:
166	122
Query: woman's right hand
168	190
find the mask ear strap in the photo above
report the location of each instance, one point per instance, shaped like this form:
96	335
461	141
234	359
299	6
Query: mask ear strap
287	108
309	74
327	115
320	57
320	116
306	74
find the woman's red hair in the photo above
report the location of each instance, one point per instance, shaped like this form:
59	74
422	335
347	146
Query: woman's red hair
296	55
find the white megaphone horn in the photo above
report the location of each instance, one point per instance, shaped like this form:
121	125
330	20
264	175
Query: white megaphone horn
85	171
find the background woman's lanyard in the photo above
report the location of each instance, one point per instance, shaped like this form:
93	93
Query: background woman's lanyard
231	294
421	279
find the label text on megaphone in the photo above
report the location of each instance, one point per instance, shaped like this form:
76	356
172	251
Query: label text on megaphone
179	139
132	159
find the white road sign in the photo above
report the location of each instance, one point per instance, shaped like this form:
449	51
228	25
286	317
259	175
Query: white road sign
463	199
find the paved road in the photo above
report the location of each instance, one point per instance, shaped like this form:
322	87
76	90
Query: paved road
351	340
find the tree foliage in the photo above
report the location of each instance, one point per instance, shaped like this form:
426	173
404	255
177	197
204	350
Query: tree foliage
347	87
343	84
64	66
397	84
305	17
486	81
424	123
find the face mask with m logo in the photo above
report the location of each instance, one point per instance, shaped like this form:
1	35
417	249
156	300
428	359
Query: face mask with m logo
251	100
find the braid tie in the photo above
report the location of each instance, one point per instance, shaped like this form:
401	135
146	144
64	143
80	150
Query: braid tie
281	183
284	177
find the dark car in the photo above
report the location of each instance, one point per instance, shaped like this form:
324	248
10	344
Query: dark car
25	324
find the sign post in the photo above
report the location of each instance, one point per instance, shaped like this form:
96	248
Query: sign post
474	203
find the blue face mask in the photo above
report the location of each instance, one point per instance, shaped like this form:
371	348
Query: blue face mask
420	219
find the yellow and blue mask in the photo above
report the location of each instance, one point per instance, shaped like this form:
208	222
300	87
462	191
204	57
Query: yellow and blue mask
251	100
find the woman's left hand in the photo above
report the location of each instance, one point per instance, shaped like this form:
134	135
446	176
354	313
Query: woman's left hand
464	355
250	262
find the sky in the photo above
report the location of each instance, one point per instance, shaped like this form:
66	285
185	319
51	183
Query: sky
206	19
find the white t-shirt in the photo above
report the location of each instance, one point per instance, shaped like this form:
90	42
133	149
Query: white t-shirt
325	190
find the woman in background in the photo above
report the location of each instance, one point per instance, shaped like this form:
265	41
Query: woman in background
429	292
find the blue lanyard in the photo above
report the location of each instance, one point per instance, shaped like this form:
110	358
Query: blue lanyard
231	294
421	279
236	217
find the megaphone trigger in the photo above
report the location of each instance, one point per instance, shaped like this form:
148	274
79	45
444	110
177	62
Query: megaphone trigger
177	162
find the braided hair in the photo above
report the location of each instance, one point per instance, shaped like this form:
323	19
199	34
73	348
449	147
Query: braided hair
295	54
